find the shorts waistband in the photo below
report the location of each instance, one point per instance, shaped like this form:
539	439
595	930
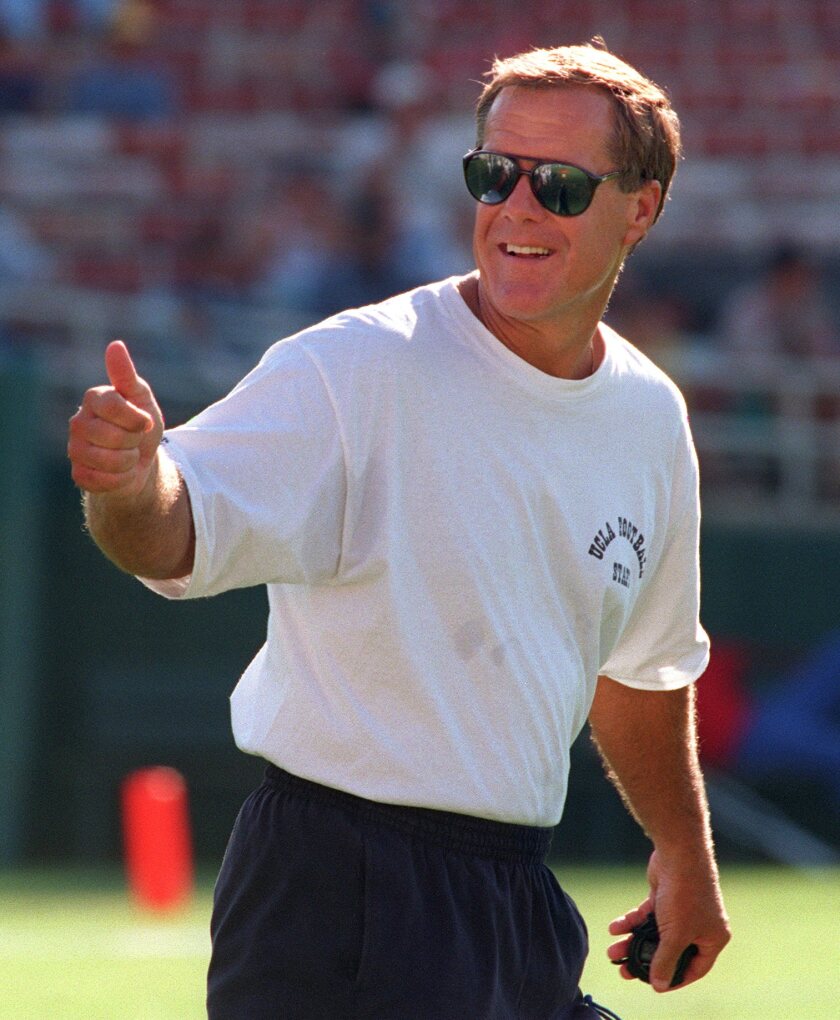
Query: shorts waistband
479	837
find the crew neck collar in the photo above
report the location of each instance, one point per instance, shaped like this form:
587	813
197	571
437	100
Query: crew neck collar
491	348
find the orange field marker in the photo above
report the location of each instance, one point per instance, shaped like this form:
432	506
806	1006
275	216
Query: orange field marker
157	838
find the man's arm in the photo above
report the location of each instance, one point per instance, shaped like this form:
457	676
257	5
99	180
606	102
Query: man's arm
136	504
648	742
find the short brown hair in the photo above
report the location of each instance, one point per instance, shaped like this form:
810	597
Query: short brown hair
645	144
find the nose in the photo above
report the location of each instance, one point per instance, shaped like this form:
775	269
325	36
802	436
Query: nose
522	201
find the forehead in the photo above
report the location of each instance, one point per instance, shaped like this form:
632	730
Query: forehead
571	122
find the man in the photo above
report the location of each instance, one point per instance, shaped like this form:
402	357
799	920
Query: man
475	509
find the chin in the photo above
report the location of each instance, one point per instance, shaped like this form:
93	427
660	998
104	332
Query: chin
524	305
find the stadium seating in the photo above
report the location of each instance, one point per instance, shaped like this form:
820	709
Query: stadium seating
162	199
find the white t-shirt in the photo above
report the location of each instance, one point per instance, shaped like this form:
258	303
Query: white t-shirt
455	545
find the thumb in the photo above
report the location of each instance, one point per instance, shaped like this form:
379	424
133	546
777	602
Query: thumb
122	374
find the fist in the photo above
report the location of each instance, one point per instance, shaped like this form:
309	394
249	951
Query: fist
115	434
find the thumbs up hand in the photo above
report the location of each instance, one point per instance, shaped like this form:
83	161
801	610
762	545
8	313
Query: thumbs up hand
115	434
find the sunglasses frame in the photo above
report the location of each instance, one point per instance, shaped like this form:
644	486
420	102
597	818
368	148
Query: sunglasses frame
593	179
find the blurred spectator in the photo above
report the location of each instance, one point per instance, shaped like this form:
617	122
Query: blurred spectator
418	181
791	729
129	82
23	258
658	319
96	14
783	313
21	77
292	241
318	255
208	264
24	19
33	19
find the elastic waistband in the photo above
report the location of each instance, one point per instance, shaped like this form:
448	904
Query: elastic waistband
479	837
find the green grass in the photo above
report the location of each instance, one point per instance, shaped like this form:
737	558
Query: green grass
782	963
73	947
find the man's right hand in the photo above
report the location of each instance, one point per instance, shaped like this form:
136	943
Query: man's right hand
115	434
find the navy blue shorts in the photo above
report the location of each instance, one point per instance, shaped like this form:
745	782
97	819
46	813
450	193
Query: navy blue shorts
331	907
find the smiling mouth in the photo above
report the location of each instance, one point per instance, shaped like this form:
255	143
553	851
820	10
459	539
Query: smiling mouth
526	251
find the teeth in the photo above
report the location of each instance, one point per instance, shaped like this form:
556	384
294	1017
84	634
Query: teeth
525	249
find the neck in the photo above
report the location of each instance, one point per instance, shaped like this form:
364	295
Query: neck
571	353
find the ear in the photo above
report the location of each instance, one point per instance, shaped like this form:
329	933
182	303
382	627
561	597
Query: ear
641	211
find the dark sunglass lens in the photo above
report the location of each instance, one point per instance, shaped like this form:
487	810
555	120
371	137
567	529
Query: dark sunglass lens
490	178
564	190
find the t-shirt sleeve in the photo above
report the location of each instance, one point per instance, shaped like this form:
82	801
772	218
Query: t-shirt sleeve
663	645
265	471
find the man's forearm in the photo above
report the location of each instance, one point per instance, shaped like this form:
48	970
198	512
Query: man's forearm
648	742
151	534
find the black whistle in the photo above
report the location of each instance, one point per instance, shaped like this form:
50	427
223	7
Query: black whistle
643	943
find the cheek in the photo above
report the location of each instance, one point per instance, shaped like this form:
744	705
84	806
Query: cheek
484	215
602	238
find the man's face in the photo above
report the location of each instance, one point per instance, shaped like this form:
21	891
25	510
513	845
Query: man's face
570	277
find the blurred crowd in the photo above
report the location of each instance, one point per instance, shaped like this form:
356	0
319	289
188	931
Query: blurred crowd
210	160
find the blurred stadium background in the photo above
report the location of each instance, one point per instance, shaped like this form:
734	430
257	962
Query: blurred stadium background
202	177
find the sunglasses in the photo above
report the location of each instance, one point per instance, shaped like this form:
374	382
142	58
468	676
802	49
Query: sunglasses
562	188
